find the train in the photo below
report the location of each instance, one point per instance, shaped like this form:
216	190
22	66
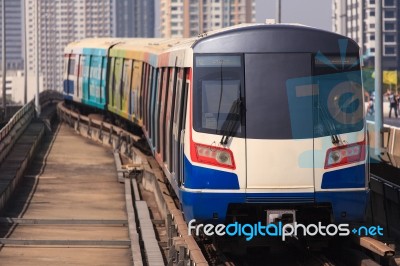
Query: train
256	122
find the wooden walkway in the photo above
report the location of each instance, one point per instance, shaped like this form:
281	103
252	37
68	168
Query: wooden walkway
70	208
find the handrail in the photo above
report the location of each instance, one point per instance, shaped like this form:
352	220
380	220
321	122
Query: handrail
18	122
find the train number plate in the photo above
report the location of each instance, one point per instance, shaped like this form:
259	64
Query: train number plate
284	216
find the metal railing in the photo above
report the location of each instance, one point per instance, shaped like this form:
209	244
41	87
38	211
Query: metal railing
21	119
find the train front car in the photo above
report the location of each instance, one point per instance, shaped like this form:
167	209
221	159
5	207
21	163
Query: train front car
277	129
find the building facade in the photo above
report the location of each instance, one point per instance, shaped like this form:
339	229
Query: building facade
133	18
64	21
356	19
15	86
184	18
14	34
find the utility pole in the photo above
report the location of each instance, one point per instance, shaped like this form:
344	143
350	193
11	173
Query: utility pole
378	77
278	11
37	104
3	55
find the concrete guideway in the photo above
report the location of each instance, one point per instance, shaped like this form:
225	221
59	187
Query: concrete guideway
71	206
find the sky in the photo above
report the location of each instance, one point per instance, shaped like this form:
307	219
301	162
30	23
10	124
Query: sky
315	13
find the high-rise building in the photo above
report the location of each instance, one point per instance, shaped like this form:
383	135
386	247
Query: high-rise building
64	21
184	18
134	18
356	19
14	34
61	22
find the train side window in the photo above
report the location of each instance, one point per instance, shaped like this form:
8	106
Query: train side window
95	78
71	65
79	76
141	91
126	80
176	126
164	97
148	99
103	79
118	64
136	88
71	71
111	82
157	110
145	91
153	106
170	115
85	76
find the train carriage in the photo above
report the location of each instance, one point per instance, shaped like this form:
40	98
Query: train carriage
86	64
250	123
283	105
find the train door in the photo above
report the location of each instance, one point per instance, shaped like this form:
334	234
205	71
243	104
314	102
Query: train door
163	101
79	77
279	126
85	77
70	74
152	106
126	85
135	93
94	94
177	126
157	114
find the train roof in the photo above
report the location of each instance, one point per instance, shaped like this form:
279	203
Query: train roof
92	43
265	38
243	38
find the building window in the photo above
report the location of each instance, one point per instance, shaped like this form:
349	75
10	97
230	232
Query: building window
389	3
372	37
372	2
372	25
372	13
390	26
389	14
389	38
390	50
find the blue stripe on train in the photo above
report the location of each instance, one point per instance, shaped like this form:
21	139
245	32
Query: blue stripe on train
351	177
68	86
197	177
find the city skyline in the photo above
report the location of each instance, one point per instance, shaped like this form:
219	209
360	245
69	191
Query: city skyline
295	11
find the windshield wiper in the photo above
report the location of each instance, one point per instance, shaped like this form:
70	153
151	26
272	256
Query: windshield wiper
331	125
232	121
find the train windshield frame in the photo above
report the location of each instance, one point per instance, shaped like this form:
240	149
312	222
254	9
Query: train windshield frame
219	86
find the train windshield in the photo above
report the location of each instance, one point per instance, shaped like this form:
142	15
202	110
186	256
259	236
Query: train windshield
338	97
300	95
284	95
219	89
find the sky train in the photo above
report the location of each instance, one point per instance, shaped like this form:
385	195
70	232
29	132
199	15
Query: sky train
250	123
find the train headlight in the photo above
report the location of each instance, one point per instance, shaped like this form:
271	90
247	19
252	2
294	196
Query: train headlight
346	154
212	155
334	157
223	157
